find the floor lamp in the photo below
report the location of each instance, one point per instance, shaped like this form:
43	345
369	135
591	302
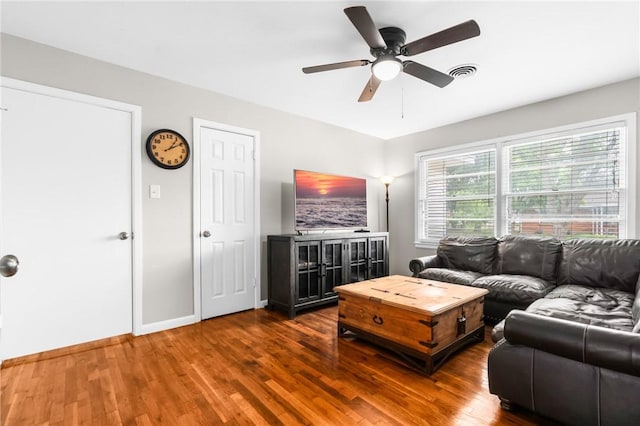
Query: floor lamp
387	181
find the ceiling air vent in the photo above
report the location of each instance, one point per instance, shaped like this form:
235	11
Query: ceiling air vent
463	71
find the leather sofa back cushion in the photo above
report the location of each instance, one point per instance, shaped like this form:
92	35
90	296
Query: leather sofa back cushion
529	255
600	263
476	254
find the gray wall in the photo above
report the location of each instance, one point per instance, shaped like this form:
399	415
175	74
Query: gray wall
287	142
614	99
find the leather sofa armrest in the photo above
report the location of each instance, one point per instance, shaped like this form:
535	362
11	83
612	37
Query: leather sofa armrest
602	347
419	264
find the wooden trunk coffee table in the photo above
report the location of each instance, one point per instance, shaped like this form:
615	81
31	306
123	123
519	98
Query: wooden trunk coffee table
423	321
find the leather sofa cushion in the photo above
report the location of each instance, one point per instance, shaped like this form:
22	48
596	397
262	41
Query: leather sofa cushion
519	289
475	254
450	275
529	255
603	307
600	263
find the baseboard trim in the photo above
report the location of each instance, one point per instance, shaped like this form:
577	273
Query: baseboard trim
166	325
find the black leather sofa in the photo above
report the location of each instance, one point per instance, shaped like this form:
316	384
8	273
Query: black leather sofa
517	270
574	355
570	350
571	372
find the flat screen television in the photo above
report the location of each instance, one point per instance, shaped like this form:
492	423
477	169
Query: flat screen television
324	201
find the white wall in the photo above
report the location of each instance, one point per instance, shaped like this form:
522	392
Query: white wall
287	142
592	104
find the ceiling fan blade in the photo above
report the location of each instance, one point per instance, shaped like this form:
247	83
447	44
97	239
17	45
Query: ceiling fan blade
451	35
361	19
336	66
427	74
370	89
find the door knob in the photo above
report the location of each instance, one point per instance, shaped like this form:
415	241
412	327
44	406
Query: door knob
206	234
124	235
9	265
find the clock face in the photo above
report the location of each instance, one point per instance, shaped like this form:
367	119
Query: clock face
168	149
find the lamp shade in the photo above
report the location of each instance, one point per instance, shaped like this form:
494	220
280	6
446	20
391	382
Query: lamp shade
386	67
386	179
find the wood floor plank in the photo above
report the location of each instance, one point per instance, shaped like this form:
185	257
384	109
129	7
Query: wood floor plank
251	368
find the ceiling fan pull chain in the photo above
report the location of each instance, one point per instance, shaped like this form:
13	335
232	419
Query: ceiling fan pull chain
402	105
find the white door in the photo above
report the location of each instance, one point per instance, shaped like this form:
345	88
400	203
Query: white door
228	237
66	197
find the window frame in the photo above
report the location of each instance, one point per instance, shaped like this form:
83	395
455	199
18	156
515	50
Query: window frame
628	146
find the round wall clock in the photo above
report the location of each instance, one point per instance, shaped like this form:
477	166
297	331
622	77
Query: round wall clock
168	149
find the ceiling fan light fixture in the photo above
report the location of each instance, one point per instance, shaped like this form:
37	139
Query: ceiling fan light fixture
386	67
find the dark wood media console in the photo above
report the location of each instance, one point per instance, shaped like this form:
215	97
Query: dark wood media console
304	269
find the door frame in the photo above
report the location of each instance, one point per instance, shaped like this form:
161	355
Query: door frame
197	224
136	177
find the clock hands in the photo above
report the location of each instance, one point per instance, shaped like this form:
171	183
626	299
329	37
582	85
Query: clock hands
173	145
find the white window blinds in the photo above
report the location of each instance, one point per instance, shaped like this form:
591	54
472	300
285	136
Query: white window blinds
457	194
567	186
573	182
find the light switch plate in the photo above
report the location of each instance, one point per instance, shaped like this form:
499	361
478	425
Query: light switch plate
154	191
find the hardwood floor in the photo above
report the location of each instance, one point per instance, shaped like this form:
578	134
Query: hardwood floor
254	367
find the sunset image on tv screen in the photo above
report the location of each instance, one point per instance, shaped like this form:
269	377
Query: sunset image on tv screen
328	201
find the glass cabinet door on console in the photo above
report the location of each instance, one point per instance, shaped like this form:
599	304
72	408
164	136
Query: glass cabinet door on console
378	257
309	268
333	265
358	263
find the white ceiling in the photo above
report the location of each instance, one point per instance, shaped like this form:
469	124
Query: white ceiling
527	52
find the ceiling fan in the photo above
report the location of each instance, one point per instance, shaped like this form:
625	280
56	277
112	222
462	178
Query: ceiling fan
388	43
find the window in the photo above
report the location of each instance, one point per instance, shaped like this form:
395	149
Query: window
570	183
457	195
566	186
